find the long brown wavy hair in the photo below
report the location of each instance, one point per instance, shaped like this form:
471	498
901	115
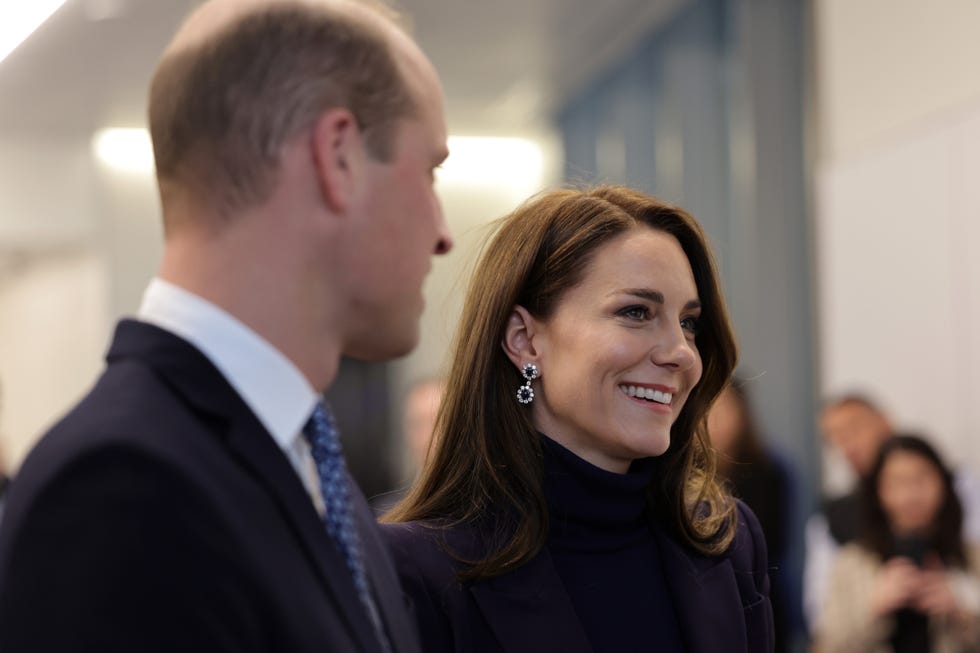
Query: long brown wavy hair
484	466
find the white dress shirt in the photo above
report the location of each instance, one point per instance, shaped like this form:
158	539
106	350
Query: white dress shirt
269	383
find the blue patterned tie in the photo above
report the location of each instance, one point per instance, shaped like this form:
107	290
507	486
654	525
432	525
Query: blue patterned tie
324	442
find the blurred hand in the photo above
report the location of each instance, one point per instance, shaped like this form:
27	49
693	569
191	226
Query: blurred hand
934	594
895	587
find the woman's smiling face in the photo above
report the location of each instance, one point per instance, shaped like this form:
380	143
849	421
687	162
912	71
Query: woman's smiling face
617	356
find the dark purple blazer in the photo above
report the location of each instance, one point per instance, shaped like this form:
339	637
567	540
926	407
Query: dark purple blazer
160	515
722	602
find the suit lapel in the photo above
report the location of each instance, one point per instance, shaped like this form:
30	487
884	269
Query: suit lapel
705	596
528	609
193	377
256	449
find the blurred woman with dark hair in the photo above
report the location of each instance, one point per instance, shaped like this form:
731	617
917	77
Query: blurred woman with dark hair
757	476
569	501
909	584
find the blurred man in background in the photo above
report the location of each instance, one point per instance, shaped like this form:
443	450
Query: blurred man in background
4	479
855	428
197	499
421	409
419	412
4	482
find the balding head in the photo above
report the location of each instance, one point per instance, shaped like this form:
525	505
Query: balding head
211	17
857	428
242	78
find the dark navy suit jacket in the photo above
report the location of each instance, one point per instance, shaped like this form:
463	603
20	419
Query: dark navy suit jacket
722	603
160	515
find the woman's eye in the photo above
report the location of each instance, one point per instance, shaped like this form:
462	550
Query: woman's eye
691	324
635	312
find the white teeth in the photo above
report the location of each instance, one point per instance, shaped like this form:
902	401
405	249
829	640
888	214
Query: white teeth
647	393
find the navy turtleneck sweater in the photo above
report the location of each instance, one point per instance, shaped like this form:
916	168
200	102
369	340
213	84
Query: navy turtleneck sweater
606	554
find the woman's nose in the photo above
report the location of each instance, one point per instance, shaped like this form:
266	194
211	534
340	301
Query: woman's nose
674	349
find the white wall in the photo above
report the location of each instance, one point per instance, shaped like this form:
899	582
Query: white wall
46	194
78	242
52	338
52	308
898	211
887	68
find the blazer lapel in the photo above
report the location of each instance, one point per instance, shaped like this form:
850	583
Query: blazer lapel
528	609
706	598
193	376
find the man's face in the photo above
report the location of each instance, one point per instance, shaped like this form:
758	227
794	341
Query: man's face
857	431
403	227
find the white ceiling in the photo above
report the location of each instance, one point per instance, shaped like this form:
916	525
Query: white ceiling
505	63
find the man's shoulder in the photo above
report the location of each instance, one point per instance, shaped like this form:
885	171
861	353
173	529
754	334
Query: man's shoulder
131	416
128	407
103	439
843	515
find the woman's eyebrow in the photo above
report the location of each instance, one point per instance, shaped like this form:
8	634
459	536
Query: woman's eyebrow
655	296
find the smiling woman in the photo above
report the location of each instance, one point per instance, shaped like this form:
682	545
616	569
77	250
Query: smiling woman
618	362
568	502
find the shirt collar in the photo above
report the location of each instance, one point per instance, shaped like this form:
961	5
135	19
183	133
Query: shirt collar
269	383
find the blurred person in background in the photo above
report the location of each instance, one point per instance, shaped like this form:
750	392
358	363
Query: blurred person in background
197	499
764	482
4	478
856	427
909	583
4	482
568	503
419	411
853	427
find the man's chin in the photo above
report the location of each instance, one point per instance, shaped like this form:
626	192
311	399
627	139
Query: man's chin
383	347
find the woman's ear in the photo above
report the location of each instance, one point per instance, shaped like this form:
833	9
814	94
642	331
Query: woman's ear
338	154
519	337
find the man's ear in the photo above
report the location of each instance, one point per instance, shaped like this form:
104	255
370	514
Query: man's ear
519	337
338	157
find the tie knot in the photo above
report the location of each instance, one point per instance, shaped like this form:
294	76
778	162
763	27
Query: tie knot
321	432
